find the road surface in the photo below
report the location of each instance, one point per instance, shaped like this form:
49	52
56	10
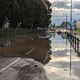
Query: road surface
7	66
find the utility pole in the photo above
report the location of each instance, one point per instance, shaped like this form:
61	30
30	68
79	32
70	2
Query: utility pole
71	34
66	30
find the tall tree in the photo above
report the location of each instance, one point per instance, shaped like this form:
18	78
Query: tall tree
30	13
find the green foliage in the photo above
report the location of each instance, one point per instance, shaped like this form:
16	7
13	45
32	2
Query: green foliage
76	30
65	24
74	24
30	13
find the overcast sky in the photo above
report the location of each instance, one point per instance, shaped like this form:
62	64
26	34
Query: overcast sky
61	7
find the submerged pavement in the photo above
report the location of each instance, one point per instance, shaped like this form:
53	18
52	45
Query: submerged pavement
59	66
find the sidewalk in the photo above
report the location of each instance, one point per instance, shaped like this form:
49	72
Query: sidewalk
59	66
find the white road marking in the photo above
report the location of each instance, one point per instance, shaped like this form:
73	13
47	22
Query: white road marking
9	65
14	62
30	51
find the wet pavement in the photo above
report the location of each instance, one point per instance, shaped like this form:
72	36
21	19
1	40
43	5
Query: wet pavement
59	66
11	61
5	61
24	69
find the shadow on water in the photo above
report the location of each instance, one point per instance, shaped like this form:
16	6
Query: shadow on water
20	45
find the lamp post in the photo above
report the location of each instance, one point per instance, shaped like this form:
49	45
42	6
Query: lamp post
71	16
71	34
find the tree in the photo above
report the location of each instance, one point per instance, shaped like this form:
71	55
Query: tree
65	24
30	13
74	24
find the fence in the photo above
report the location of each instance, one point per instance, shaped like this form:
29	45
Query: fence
8	35
75	42
12	34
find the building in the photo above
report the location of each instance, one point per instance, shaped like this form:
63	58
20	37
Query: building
78	24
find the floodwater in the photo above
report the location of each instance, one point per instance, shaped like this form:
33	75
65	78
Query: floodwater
58	67
57	64
58	42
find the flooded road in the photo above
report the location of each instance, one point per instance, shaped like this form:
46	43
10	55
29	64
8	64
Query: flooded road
59	66
24	60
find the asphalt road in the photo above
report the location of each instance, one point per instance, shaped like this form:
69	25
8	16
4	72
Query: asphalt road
7	70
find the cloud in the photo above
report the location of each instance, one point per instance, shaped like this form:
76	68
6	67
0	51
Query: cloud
61	7
66	4
60	4
76	5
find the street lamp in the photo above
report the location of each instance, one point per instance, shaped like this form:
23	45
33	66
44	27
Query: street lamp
71	34
71	16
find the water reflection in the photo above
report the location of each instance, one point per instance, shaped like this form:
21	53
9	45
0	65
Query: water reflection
64	35
60	59
74	42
